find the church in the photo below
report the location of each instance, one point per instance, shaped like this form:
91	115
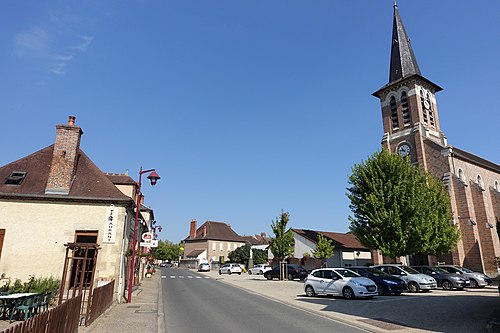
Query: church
411	128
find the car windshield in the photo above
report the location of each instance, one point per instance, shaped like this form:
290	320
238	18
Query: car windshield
409	270
440	270
347	273
466	270
374	271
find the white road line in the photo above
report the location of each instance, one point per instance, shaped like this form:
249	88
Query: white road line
163	276
206	277
172	276
198	277
181	277
190	277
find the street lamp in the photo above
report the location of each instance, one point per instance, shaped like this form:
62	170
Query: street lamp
153	177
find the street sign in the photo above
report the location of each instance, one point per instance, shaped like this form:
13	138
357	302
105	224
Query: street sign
147	236
150	243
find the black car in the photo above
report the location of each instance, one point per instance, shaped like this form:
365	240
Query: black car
294	272
445	279
386	284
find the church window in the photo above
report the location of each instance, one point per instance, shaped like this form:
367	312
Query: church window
431	114
394	113
480	182
424	109
461	175
496	186
405	108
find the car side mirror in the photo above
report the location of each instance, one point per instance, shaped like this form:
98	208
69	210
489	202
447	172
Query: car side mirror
402	273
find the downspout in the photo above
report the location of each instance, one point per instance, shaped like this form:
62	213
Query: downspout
122	255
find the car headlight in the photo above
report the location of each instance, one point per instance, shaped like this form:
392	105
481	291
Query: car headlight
478	276
389	282
357	283
456	278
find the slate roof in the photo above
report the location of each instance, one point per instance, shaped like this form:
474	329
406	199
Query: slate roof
211	230
89	183
342	240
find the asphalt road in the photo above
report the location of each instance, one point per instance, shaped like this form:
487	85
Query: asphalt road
196	303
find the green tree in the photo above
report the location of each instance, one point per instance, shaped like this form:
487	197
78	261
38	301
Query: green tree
281	245
240	255
400	209
167	250
259	256
323	249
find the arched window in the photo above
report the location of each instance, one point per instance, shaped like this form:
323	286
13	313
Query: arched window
480	182
431	114
461	175
496	186
405	108
394	113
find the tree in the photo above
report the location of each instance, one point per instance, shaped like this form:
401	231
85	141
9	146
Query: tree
399	209
282	244
323	249
240	255
259	256
167	250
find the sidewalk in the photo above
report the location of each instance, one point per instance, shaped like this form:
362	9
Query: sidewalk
144	314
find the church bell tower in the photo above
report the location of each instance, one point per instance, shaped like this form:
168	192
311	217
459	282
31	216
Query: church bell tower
408	101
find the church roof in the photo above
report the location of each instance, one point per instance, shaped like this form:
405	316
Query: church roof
403	60
475	159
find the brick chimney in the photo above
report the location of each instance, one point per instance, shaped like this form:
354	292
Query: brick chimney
64	158
192	229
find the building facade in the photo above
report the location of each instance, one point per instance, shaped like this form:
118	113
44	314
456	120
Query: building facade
412	128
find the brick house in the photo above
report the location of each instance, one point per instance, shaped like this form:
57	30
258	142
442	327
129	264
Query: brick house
348	250
412	128
57	196
211	242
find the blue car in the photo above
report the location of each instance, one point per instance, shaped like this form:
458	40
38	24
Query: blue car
386	284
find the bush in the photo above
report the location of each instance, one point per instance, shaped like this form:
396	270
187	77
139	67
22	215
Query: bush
40	285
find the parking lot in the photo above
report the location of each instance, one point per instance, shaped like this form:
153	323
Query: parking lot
469	310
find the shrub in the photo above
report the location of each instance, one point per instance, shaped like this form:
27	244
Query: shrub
39	285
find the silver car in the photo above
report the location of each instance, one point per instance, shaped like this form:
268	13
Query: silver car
415	280
477	280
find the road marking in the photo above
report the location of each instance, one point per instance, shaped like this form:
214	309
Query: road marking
190	277
181	277
172	276
198	277
163	276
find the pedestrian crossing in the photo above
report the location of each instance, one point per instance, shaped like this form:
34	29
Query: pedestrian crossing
184	277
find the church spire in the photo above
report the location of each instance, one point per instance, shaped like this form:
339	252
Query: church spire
403	61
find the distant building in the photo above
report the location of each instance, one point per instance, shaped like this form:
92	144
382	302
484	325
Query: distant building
211	242
258	242
348	250
412	128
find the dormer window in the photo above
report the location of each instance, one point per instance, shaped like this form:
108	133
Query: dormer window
405	108
15	178
394	113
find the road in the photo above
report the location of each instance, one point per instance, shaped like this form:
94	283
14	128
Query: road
194	302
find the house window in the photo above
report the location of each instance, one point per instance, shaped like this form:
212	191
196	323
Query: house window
234	246
405	108
394	113
214	246
221	246
229	246
15	178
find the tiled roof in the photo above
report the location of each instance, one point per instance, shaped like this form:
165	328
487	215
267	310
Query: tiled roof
250	240
89	182
194	253
120	179
347	240
215	231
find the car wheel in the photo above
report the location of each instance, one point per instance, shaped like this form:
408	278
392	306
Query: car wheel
229	272
473	283
348	293
269	277
250	272
380	289
447	285
220	272
310	291
261	272
413	287
290	277
239	273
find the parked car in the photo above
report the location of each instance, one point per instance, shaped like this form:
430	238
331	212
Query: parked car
294	272
477	279
445	279
204	267
230	269
415	280
386	284
339	281
163	264
259	269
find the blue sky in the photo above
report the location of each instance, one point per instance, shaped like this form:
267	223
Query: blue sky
243	107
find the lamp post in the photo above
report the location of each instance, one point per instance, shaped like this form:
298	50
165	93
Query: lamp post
153	177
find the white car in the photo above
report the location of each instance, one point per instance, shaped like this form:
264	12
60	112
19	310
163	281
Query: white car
230	269
259	269
415	280
339	281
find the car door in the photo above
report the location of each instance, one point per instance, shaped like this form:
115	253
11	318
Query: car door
334	282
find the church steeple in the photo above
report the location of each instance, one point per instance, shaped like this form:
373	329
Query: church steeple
403	61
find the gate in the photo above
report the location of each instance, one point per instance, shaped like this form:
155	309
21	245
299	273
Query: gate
78	275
